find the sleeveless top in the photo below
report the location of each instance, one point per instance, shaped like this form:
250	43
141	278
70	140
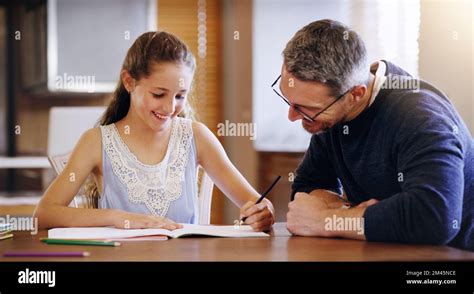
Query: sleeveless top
167	189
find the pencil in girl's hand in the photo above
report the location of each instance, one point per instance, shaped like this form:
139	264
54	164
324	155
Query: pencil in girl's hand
46	254
264	194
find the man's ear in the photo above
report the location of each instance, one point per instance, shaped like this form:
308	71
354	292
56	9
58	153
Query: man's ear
127	80
358	92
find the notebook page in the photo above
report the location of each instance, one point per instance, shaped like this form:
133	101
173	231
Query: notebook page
217	231
102	233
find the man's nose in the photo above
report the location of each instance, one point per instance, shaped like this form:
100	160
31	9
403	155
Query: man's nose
294	115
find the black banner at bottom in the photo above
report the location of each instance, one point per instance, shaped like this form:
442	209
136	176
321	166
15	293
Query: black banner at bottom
448	277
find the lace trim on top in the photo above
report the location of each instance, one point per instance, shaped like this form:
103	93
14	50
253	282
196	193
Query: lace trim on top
157	185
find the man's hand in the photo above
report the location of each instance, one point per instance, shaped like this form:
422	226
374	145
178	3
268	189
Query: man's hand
308	214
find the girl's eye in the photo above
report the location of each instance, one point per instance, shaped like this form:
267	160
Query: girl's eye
157	95
179	97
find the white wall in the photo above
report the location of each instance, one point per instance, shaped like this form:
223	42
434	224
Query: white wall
446	52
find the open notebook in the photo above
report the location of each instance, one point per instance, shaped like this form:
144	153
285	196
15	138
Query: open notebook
100	233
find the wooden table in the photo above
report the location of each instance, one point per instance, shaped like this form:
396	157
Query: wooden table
280	247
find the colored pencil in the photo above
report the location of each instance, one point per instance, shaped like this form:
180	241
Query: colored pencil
5	236
79	242
45	254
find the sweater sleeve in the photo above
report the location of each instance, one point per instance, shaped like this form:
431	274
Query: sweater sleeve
429	158
315	171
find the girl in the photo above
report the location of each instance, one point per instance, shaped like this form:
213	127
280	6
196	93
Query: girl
143	157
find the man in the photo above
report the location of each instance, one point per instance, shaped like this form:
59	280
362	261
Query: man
390	159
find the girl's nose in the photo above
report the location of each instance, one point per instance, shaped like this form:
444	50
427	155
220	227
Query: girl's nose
170	105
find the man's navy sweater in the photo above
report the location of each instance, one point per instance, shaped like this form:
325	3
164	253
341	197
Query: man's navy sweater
411	151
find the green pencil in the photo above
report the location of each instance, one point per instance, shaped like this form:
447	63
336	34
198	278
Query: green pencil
5	236
79	242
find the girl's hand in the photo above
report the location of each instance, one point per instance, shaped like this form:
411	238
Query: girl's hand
127	220
260	216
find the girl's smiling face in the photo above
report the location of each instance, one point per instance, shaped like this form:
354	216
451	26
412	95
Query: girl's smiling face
161	96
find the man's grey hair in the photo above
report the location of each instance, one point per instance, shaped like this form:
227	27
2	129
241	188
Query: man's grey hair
328	52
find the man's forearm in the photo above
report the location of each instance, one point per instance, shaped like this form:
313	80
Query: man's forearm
323	213
332	199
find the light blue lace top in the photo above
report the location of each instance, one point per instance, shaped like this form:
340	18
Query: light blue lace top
168	188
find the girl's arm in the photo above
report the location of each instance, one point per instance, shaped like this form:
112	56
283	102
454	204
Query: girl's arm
212	157
53	210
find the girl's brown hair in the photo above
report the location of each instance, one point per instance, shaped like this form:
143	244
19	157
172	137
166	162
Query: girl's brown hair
148	49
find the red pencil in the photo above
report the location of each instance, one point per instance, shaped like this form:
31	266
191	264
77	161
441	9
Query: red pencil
46	254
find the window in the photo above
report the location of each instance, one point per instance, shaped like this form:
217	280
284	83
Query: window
389	28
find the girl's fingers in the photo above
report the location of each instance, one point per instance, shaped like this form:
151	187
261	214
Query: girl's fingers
171	225
176	225
244	208
161	223
253	209
262	225
247	205
256	217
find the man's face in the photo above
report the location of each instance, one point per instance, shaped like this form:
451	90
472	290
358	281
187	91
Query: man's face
311	98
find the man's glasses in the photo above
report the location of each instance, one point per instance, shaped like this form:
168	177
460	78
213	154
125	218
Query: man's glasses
297	108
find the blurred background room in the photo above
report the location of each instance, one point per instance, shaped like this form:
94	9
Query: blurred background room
60	59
